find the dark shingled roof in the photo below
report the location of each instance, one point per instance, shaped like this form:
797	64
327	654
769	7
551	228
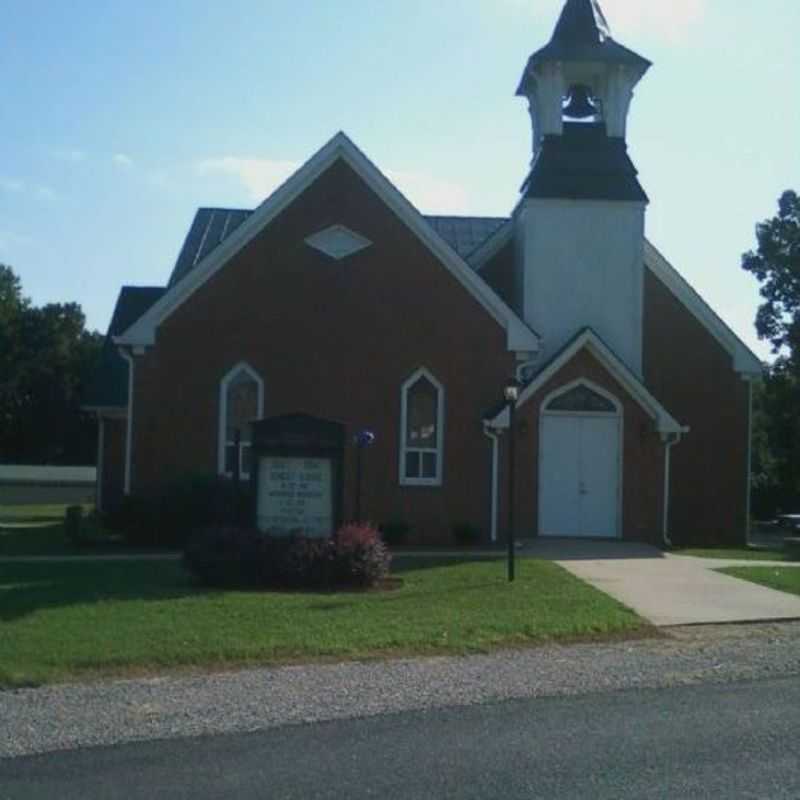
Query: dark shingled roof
584	164
211	226
581	34
109	389
466	234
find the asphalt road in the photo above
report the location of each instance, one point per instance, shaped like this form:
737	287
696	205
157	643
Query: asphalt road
731	741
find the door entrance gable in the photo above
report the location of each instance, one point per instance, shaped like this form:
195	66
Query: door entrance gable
588	343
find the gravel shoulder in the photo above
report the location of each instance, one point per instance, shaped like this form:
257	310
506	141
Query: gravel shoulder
71	716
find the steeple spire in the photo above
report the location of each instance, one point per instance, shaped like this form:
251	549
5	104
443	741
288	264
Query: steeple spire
581	53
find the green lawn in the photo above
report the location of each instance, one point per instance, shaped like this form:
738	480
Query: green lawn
738	553
66	620
38	530
785	579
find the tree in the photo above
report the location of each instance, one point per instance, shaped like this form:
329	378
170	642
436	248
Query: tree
46	358
776	419
776	265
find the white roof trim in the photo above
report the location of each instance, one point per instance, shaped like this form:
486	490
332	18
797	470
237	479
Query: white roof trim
492	246
519	336
745	361
665	422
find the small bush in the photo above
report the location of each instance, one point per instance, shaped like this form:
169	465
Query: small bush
360	556
466	534
73	521
168	517
226	556
395	533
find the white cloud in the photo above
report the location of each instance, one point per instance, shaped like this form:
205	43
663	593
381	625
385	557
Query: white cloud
73	156
10	240
430	194
45	192
19	186
122	160
11	184
261	176
670	20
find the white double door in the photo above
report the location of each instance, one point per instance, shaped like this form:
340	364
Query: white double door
579	475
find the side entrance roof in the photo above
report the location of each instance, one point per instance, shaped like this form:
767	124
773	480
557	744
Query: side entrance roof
664	421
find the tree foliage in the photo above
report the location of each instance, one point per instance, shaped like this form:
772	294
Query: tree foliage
776	414
776	265
47	358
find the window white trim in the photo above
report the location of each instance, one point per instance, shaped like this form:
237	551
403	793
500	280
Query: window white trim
222	427
404	449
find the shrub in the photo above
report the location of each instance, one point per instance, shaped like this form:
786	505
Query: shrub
395	533
227	556
73	519
466	534
360	556
168	517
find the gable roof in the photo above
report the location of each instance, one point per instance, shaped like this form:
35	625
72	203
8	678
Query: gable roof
588	339
519	336
211	226
745	361
109	386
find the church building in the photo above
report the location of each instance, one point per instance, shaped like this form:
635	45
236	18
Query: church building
336	298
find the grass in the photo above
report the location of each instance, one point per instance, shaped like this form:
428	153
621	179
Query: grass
785	579
62	620
38	530
738	553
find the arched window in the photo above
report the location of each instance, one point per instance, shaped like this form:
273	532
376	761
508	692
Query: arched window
581	398
421	430
241	402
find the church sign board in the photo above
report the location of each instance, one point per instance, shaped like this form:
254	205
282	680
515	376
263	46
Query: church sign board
297	479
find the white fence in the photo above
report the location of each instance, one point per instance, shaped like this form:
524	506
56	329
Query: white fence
25	485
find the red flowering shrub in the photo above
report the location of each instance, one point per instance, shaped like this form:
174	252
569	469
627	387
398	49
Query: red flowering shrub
360	556
238	557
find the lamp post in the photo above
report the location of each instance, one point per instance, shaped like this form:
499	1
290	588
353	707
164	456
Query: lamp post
362	440
511	394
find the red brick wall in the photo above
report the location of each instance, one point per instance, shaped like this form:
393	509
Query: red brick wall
692	375
643	457
113	473
498	272
336	340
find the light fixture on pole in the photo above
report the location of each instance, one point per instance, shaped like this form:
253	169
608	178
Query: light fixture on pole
362	440
511	395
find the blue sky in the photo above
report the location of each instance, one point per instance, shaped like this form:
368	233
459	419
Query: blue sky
121	118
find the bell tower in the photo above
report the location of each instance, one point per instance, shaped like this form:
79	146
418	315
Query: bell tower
579	226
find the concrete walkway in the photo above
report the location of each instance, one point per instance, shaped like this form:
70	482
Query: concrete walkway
670	589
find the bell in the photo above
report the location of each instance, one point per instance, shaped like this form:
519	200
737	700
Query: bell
579	105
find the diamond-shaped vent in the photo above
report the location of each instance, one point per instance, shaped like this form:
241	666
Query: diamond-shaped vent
338	242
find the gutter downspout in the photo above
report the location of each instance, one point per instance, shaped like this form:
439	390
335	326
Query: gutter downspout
668	445
129	432
495	437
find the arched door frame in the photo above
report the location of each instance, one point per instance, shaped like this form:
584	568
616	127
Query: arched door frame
616	414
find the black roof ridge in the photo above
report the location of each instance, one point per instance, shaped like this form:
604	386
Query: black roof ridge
226	208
